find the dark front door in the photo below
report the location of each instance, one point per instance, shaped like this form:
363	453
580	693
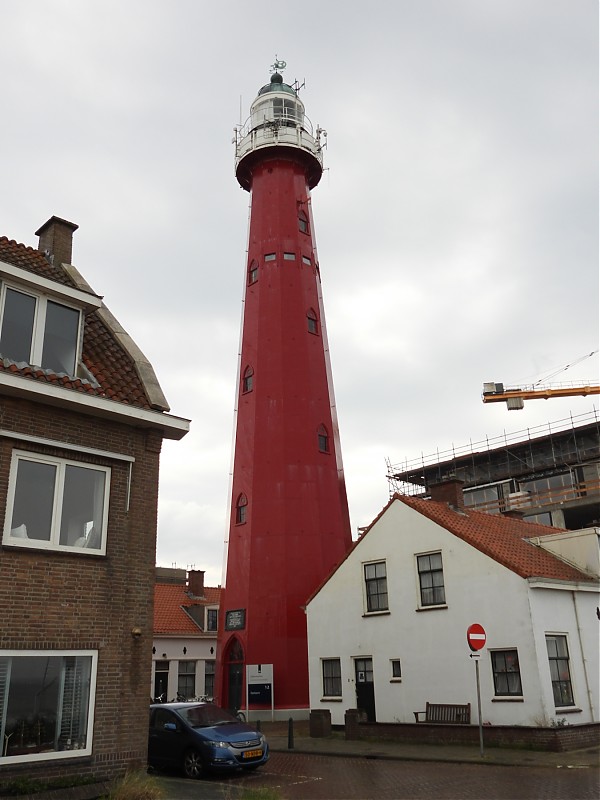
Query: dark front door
235	686
161	681
234	669
365	689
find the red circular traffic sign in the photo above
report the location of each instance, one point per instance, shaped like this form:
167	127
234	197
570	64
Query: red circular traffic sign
476	636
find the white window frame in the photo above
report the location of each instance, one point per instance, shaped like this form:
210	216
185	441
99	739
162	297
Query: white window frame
39	322
54	542
338	662
52	755
426	606
562	635
216	610
395	678
376	611
505	695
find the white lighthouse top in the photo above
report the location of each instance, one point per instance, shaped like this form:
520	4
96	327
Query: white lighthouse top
277	119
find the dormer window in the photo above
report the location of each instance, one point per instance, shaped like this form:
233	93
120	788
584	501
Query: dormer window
39	331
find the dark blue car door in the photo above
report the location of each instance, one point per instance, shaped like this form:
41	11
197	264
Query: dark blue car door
166	739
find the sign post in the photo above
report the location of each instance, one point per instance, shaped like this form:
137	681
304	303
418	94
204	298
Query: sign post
259	687
476	639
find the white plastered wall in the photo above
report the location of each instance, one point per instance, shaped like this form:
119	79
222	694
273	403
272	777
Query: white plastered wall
431	644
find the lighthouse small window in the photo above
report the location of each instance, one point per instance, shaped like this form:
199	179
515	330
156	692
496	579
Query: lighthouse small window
289	256
241	508
313	322
323	439
270	257
306	260
252	273
247	380
303	222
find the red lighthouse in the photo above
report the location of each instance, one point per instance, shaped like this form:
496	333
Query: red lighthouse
289	521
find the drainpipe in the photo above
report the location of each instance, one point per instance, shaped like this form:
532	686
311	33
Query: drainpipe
583	658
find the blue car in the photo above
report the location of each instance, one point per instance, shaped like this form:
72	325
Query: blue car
201	737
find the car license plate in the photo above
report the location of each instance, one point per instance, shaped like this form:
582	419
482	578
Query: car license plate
253	753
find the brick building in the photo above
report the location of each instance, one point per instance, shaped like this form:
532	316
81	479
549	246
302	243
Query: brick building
82	419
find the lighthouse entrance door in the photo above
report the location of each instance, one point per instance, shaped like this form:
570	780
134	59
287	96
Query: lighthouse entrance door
234	667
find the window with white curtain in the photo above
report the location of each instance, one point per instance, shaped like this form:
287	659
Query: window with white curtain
38	330
56	504
46	702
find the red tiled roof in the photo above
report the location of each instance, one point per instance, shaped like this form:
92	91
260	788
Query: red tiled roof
169	603
505	539
113	370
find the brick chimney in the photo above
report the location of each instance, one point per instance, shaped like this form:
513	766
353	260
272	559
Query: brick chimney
56	240
449	490
196	583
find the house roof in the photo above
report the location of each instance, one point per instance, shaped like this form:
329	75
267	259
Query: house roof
115	370
170	602
507	540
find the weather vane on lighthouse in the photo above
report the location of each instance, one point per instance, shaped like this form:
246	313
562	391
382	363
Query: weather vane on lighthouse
278	65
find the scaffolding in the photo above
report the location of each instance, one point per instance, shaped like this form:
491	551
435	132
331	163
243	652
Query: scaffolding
537	451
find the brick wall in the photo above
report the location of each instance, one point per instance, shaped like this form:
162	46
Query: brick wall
569	737
63	601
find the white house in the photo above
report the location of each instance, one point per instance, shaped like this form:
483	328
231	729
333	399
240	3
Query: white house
185	635
387	630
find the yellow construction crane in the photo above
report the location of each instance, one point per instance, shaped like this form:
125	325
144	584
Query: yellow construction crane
515	396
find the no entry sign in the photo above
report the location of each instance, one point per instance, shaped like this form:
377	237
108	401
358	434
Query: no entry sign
476	636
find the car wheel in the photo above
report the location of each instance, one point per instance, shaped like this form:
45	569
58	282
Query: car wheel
192	764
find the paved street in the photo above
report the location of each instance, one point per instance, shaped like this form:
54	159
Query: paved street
316	777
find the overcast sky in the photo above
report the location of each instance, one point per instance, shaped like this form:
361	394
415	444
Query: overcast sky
457	221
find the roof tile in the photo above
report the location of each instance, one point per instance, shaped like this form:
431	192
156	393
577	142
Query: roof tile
170	600
505	539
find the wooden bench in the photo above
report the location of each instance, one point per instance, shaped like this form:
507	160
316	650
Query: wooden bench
446	713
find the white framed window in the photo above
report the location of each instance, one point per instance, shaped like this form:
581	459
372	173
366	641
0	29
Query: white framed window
46	704
560	670
209	679
506	673
212	616
56	504
431	580
186	680
332	677
395	669
376	591
39	331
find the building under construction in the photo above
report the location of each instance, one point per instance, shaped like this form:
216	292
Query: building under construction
550	473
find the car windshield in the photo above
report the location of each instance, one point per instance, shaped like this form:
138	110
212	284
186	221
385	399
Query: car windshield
205	716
